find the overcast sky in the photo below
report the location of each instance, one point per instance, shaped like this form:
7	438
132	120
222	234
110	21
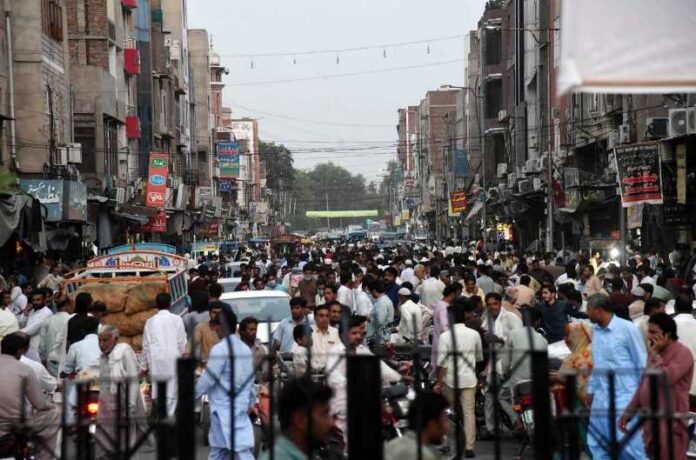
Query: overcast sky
350	120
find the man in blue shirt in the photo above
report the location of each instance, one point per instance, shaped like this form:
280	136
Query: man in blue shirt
215	382
382	311
619	346
282	337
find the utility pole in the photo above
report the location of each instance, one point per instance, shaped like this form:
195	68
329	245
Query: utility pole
482	133
549	188
328	219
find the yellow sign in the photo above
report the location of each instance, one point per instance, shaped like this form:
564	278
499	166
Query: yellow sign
397	220
405	214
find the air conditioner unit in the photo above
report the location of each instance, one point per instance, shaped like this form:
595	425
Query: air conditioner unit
656	127
624	134
677	122
120	195
502	115
533	165
691	99
502	169
536	182
61	156
525	186
75	153
691	120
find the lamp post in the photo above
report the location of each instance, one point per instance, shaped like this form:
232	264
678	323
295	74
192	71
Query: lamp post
549	171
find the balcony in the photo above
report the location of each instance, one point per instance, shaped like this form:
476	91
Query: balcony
132	127
131	61
129	4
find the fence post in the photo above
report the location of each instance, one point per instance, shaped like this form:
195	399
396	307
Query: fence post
364	407
653	375
186	427
543	430
571	416
82	428
163	438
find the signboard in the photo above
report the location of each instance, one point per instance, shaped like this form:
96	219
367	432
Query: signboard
156	224
405	214
139	259
640	174
361	213
76	201
681	173
157	180
458	201
228	157
461	163
49	193
226	185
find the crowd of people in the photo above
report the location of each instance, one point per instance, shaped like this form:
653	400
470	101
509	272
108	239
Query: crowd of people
481	313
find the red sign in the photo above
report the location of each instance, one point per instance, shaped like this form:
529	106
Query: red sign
156	224
157	180
458	201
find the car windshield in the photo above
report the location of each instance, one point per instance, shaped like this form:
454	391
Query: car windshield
229	285
264	309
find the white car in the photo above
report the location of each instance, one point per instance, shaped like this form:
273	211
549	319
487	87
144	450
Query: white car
269	307
229	284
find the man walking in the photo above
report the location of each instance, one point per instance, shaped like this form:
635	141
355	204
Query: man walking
31	321
164	341
458	378
616	344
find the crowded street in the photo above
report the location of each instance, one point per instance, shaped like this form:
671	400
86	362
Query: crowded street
348	230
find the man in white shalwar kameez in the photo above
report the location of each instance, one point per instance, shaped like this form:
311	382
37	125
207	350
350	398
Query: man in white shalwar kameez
164	341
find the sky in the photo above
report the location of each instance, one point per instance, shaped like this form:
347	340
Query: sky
350	119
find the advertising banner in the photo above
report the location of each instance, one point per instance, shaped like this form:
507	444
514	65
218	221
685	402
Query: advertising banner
461	163
157	180
228	158
458	201
156	224
639	174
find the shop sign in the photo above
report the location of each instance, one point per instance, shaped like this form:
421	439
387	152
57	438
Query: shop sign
458	201
50	195
640	174
228	158
156	224
157	180
76	201
461	163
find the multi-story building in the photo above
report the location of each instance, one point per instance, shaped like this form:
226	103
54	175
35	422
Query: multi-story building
202	127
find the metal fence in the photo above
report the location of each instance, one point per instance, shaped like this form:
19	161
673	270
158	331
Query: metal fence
560	419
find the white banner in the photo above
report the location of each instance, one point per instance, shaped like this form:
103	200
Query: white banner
628	46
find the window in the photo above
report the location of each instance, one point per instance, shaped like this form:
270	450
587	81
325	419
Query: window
494	97
52	19
493	47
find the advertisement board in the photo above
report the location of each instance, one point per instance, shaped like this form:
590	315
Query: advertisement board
228	158
639	174
458	201
157	180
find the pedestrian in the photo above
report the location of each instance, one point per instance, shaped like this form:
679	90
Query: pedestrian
32	320
471	289
430	290
302	334
78	323
205	336
18	380
441	320
215	382
118	369
457	379
382	311
324	337
164	341
427	420
8	320
616	344
686	330
555	314
198	312
391	287
410	318
305	420
248	329
676	363
282	338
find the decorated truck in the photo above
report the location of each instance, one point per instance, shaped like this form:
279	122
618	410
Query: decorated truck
127	280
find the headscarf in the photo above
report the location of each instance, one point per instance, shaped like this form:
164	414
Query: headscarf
594	286
579	341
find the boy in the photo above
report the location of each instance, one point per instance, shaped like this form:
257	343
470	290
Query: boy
302	335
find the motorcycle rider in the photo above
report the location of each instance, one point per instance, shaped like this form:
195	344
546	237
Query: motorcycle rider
427	415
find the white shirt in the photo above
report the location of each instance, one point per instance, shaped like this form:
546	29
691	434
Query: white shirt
345	296
430	291
8	322
82	355
299	359
468	352
50	331
686	331
411	320
48	382
32	327
409	276
164	341
648	280
321	344
564	279
363	304
18	303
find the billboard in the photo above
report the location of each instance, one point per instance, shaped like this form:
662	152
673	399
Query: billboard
228	158
157	180
639	174
461	163
458	201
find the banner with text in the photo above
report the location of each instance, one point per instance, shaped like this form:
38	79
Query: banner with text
157	180
228	158
458	201
639	174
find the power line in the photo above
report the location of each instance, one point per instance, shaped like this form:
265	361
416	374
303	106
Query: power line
344	50
344	75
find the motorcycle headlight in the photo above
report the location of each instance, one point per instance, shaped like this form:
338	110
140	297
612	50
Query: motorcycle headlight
403	405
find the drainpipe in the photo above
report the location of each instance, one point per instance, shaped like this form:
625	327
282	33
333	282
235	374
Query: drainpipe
10	73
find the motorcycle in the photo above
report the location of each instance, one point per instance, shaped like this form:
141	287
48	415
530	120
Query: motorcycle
524	406
396	401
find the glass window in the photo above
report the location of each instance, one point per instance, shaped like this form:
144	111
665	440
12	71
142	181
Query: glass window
264	309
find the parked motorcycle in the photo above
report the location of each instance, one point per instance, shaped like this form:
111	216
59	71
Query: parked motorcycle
524	406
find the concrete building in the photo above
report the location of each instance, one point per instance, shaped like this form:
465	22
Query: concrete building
202	126
41	75
105	62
